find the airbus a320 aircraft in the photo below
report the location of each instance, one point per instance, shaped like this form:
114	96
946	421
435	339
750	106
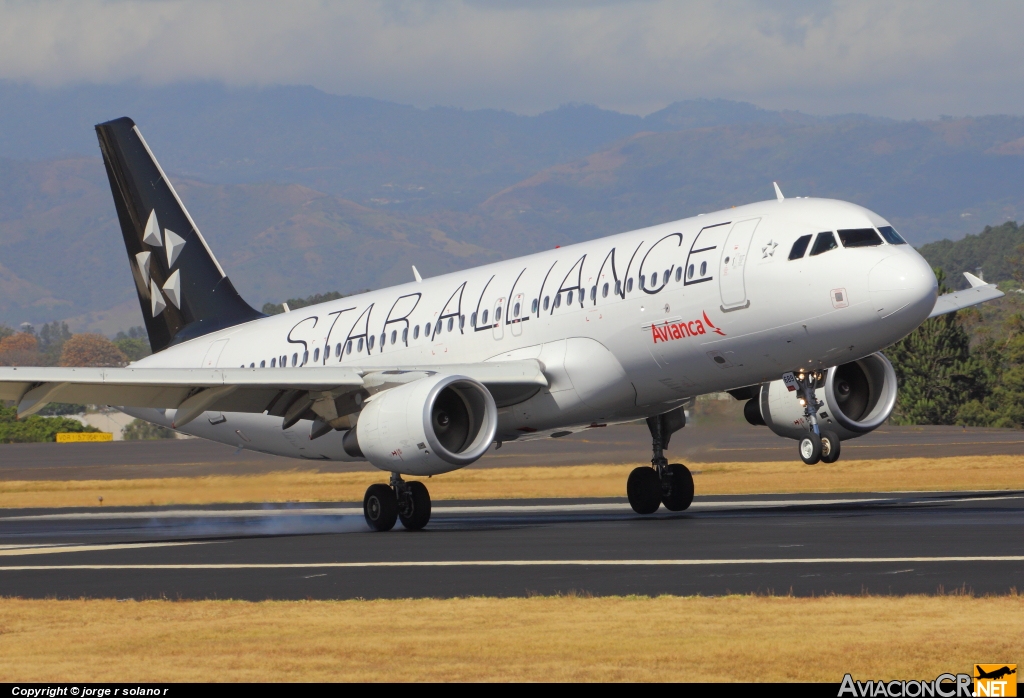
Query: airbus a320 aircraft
783	303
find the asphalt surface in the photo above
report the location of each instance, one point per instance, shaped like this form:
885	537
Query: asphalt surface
800	544
735	442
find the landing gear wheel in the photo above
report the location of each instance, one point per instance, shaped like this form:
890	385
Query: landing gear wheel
810	449
380	507
829	447
414	509
676	487
644	490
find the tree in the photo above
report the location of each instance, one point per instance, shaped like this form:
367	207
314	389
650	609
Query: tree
35	429
20	349
134	344
51	341
91	350
5	332
141	430
295	303
936	372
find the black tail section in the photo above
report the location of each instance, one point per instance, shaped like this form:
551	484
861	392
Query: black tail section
183	290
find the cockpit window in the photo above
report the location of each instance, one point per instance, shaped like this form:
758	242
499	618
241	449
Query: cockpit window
799	247
860	237
823	243
891	236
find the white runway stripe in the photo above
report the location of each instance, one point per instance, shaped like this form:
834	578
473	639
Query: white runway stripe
526	563
10	551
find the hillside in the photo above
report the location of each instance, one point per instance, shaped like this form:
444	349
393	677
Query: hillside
299	191
988	251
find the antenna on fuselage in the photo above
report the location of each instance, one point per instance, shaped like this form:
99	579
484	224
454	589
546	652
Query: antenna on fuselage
778	192
416	273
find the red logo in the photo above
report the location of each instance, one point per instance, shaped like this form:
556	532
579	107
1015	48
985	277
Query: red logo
678	330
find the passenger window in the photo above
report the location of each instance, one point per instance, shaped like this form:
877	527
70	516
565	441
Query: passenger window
629	285
497	314
472	319
643	283
667	274
437	329
568	299
800	247
451	323
533	306
679	273
337	350
558	300
860	237
462	322
593	293
295	360
891	236
515	310
316	355
485	318
394	336
348	346
618	287
359	346
369	343
273	363
426	329
823	243
689	272
703	268
305	357
547	302
604	290
263	364
405	336
416	332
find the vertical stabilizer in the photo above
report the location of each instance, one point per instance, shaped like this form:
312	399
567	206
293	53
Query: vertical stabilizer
182	288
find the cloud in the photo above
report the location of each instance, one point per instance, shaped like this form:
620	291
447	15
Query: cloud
897	59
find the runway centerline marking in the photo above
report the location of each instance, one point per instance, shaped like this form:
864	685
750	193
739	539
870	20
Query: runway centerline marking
47	549
523	563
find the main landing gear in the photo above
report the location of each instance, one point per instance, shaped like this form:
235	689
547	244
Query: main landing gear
819	444
665	483
409	502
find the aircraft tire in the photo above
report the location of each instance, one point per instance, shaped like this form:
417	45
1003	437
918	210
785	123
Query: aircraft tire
829	447
810	448
416	513
644	490
380	507
680	487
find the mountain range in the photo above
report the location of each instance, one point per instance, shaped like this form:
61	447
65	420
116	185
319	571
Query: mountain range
299	191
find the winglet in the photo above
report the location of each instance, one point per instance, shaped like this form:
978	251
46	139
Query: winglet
973	280
416	273
778	192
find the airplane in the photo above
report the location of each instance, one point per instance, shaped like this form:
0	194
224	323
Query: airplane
784	303
996	674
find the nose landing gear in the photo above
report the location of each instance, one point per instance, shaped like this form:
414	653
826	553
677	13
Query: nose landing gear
384	505
665	483
818	444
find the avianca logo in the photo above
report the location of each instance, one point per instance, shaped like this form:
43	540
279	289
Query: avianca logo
678	330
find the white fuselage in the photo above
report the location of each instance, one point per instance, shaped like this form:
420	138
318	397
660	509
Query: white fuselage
703	304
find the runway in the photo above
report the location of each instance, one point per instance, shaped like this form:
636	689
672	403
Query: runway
631	443
802	544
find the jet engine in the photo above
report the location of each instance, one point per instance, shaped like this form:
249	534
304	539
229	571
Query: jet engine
859	396
429	426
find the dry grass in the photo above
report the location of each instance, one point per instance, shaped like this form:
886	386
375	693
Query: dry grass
962	473
567	638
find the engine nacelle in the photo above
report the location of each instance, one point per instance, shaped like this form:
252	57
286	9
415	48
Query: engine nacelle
858	396
432	425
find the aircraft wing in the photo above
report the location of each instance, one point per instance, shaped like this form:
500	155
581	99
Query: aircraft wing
979	292
284	392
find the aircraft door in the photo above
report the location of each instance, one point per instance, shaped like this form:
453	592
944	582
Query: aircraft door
499	319
517	311
212	357
734	258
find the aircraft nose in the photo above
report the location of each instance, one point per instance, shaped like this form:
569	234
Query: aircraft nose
903	283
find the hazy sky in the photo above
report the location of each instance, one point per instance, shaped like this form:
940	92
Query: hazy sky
901	59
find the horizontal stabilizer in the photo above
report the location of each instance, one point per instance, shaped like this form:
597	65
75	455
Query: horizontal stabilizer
979	292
